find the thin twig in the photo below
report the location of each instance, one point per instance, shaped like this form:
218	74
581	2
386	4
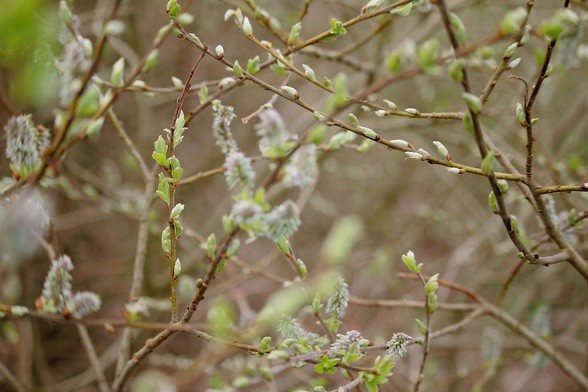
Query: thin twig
517	328
173	186
94	361
14	383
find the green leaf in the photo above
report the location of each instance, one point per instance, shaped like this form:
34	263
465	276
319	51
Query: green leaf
432	284
410	262
421	327
487	163
342	237
253	65
118	73
427	55
511	22
337	28
211	246
394	62
317	134
473	102
237	69
456	70
520	112
284	245
163	189
468	123
493	203
458	28
176	211
294	34
151	60
264	345
203	93
403	10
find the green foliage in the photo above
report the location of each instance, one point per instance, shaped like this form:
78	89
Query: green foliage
315	182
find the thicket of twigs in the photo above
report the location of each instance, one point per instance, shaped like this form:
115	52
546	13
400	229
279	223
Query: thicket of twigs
293	196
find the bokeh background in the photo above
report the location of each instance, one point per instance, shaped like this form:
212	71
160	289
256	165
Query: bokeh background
381	203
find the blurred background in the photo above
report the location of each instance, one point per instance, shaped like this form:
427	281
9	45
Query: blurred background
373	206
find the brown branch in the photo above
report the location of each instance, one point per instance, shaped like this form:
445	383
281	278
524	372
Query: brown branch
517	328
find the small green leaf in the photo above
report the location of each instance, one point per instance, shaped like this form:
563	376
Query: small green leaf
421	327
427	55
264	345
503	186
151	60
473	102
247	29
468	123
353	119
371	5
294	34
512	21
253	65
237	69
118	73
403	10
432	284
520	112
493	203
176	211
229	224
203	93
284	245
410	262
394	62
301	268
166	240
337	28
487	163
211	246
510	50
309	72
317	134
367	132
456	70
458	28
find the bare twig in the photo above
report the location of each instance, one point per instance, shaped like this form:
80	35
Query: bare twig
94	361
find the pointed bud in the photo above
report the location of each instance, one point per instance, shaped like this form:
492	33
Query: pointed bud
264	346
520	112
229	224
118	73
390	104
502	185
177	267
309	72
353	120
211	246
441	149
247	29
284	245
237	70
510	50
367	132
220	51
487	163
513	63
493	203
291	91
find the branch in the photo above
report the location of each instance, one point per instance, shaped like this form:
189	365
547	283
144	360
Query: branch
94	360
517	328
